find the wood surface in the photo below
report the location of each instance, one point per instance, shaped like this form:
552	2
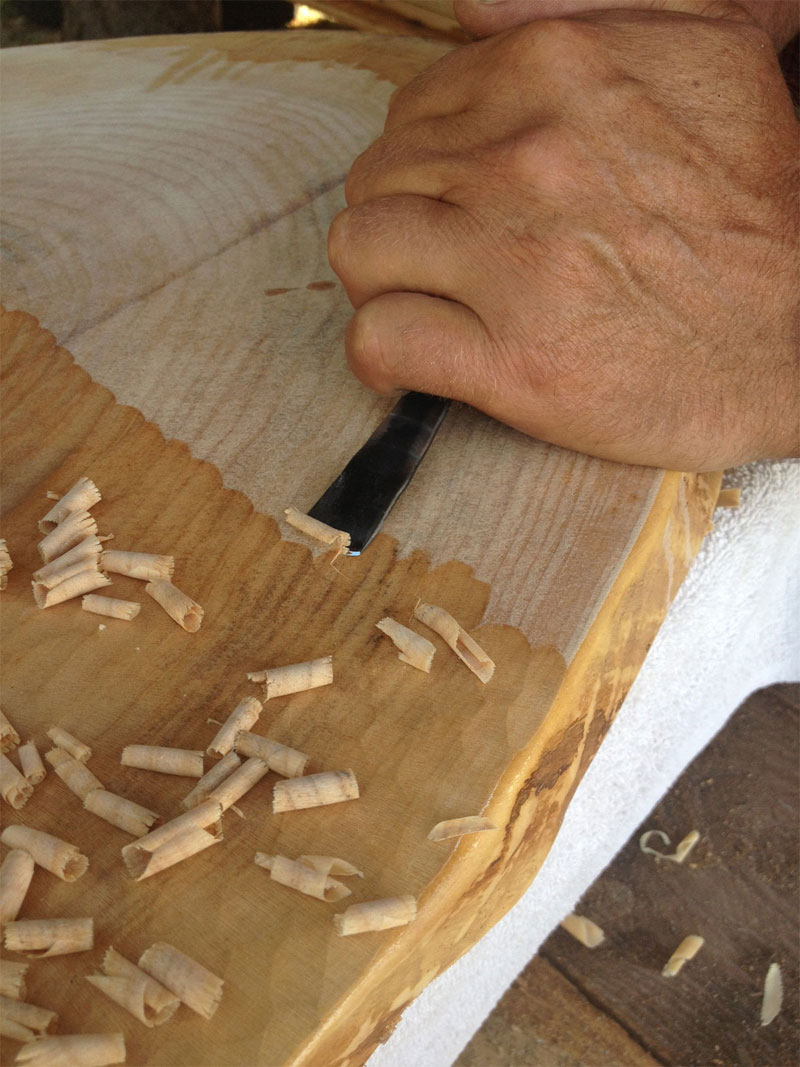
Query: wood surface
165	208
740	890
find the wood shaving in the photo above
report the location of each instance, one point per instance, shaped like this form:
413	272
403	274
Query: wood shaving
286	761
9	738
12	979
134	990
210	780
43	586
112	608
49	937
319	531
469	824
73	1050
331	865
180	607
16	873
83	495
30	1016
375	915
75	528
301	877
76	585
583	930
686	950
59	857
206	815
314	791
142	862
6	563
121	812
240	782
295	677
243	716
31	763
194	985
454	635
682	849
76	748
15	788
415	650
85	551
75	775
187	763
145	566
772	1001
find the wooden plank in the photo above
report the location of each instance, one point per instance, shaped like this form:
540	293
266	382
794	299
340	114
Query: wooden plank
544	1019
169	223
739	890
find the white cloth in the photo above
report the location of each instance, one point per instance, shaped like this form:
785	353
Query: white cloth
733	628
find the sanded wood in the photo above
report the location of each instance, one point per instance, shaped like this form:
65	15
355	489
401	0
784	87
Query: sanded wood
166	203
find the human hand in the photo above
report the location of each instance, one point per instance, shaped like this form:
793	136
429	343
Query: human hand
587	228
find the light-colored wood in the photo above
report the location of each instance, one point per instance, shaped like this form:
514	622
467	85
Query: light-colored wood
166	208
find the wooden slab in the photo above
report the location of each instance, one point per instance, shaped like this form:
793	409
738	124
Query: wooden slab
166	206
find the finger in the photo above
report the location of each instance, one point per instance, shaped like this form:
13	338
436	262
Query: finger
447	86
401	243
419	157
414	341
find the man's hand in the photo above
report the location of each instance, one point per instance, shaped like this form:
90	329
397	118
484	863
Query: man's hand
587	228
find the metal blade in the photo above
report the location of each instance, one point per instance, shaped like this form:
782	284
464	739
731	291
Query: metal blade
365	492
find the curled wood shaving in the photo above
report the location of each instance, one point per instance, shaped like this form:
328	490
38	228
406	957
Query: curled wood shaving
76	585
414	650
75	528
184	762
73	1050
469	824
240	782
295	677
143	862
210	780
133	989
682	849
9	738
49	937
6	563
31	763
180	607
583	930
75	748
314	791
30	1016
772	1001
121	812
85	551
145	566
16	873
243	716
289	762
318	531
194	985
111	607
206	816
303	878
59	857
375	915
465	647
686	950
83	495
331	865
75	775
12	979
15	788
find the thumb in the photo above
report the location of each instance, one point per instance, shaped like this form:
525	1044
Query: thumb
413	341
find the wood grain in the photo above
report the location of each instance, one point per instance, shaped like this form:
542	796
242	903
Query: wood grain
166	204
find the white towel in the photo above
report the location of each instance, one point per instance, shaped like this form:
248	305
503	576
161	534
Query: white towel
733	628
